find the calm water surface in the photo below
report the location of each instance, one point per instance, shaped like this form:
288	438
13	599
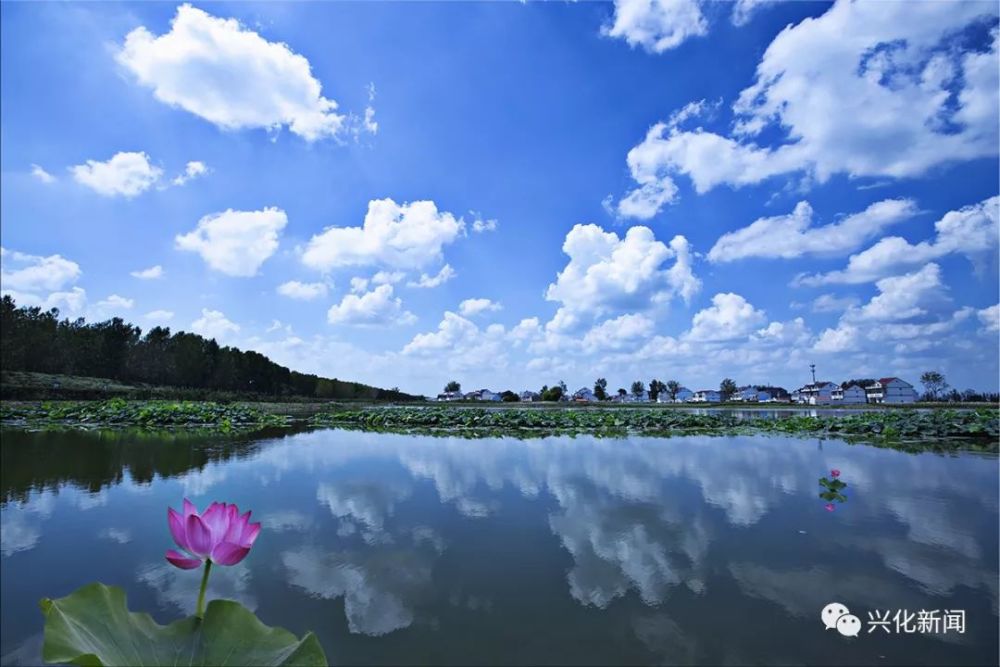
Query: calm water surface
405	549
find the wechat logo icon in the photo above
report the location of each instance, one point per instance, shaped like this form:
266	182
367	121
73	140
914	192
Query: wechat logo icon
836	616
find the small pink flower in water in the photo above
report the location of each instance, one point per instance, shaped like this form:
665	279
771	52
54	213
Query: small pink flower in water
830	507
835	472
221	535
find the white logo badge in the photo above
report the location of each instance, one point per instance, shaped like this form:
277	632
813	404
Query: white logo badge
849	625
831	613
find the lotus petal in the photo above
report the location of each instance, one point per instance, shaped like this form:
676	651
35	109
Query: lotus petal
227	553
249	535
215	519
199	537
237	524
178	559
176	524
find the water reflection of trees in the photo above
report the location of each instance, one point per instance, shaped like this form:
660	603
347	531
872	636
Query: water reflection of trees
94	460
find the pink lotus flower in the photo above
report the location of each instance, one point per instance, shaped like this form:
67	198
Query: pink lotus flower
830	507
835	472
221	535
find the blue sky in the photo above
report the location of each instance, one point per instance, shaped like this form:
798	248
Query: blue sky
516	194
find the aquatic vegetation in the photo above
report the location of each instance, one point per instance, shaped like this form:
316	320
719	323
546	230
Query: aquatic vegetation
93	626
832	486
119	412
935	428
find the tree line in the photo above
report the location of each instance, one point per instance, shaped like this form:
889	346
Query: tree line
638	388
39	341
936	388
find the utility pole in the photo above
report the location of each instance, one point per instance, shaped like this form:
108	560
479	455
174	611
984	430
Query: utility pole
812	367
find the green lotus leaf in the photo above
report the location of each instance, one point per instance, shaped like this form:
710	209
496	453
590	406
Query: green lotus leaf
93	626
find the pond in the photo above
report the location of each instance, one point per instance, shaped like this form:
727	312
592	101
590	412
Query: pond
408	549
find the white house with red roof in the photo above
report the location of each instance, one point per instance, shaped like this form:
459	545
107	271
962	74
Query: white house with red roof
891	390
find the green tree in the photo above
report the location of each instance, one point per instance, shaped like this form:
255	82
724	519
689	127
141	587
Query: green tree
655	389
621	392
727	388
601	389
638	388
38	341
934	383
554	393
452	386
673	386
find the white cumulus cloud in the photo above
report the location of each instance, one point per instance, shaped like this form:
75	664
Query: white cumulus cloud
898	98
151	273
42	175
192	170
472	307
743	10
400	236
115	303
729	317
656	25
22	272
618	332
794	235
903	297
377	307
479	225
459	345
124	175
971	231
607	275
235	242
229	75
294	289
990	317
427	281
214	324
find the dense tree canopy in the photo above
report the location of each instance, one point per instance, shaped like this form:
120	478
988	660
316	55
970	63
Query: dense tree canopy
727	388
638	388
35	340
656	387
601	389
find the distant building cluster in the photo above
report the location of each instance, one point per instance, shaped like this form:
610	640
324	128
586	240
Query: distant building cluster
885	390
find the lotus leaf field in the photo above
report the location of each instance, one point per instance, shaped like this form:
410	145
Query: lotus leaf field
119	412
933	429
937	429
